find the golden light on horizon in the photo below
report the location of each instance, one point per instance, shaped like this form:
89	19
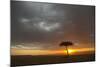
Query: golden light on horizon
70	51
79	51
51	52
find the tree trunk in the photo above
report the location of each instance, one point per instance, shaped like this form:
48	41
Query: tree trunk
68	56
67	52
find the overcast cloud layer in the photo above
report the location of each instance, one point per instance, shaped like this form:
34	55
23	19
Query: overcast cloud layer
46	25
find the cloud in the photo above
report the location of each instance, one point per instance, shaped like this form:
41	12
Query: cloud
24	20
25	47
47	26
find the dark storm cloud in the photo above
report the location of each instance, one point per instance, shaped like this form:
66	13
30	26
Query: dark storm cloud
50	23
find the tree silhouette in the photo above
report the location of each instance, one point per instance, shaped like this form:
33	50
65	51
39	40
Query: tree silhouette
66	44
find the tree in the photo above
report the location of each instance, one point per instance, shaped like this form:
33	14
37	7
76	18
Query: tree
66	44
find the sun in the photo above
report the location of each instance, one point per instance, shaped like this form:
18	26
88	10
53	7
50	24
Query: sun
70	51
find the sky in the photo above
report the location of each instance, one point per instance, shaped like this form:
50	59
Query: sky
36	25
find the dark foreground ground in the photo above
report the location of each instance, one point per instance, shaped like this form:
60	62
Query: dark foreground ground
24	60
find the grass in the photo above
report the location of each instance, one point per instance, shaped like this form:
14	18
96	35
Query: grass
23	60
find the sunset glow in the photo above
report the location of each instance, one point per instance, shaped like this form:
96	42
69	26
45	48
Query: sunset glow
71	51
50	52
80	51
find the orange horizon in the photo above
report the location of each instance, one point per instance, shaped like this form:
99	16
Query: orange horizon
17	51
